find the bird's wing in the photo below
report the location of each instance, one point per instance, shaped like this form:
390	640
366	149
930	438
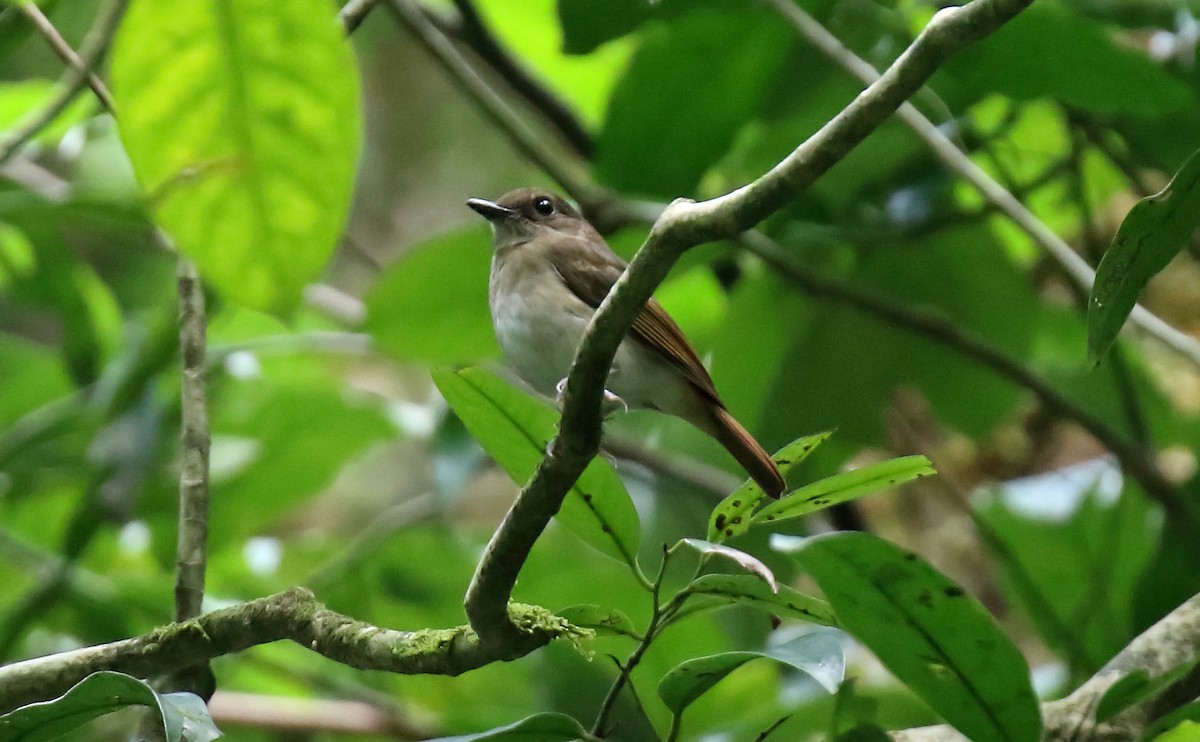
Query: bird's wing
590	274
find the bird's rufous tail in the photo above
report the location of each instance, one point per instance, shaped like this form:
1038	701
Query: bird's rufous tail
756	461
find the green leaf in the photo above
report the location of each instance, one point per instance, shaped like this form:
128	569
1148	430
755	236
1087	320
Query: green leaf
515	429
845	486
1186	717
1186	731
432	304
752	592
548	727
587	24
1155	229
818	655
741	558
691	85
1137	687
604	620
937	640
102	693
731	516
242	121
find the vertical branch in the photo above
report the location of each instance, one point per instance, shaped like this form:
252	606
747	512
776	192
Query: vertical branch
191	550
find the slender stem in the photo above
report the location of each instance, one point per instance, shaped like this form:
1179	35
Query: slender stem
72	82
354	13
535	147
192	547
954	158
484	43
65	52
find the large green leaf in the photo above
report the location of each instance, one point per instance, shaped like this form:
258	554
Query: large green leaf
690	86
184	716
820	655
937	640
587	24
241	119
432	304
1156	228
515	430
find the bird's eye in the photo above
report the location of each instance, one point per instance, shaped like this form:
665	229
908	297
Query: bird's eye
543	206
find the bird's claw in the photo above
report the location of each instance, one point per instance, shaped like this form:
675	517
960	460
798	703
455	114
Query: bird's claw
611	404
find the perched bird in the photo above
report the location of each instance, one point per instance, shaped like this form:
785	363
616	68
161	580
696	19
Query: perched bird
550	271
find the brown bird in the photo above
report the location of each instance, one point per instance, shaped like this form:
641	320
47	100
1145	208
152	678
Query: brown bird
550	271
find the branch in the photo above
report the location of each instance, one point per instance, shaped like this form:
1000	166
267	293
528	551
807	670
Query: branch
683	225
1172	641
484	44
65	52
72	81
954	158
531	145
295	615
191	551
354	13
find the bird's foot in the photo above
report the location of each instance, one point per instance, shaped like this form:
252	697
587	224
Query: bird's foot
608	407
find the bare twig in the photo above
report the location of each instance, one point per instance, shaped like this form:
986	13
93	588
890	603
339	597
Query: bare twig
71	83
354	13
1076	267
481	40
191	554
537	148
683	225
65	52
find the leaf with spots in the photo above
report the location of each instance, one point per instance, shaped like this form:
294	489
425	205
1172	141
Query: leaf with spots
937	640
731	516
515	429
751	591
843	487
741	558
602	620
1153	232
242	122
818	655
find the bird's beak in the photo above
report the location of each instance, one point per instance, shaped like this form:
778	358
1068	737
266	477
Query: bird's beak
490	210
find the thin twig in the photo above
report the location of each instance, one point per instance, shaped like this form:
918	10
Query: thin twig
354	13
66	53
535	147
479	37
72	82
948	152
191	555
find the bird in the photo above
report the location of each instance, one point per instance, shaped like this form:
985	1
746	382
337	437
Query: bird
550	270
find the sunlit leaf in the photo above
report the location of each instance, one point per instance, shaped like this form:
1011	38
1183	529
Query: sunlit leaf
845	486
732	515
1154	231
936	639
241	119
752	591
184	716
515	430
818	655
20	98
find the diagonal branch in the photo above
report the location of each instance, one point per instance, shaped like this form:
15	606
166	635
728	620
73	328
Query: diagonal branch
65	52
956	160
683	225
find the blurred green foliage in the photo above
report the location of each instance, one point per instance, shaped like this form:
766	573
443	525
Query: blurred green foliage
339	464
